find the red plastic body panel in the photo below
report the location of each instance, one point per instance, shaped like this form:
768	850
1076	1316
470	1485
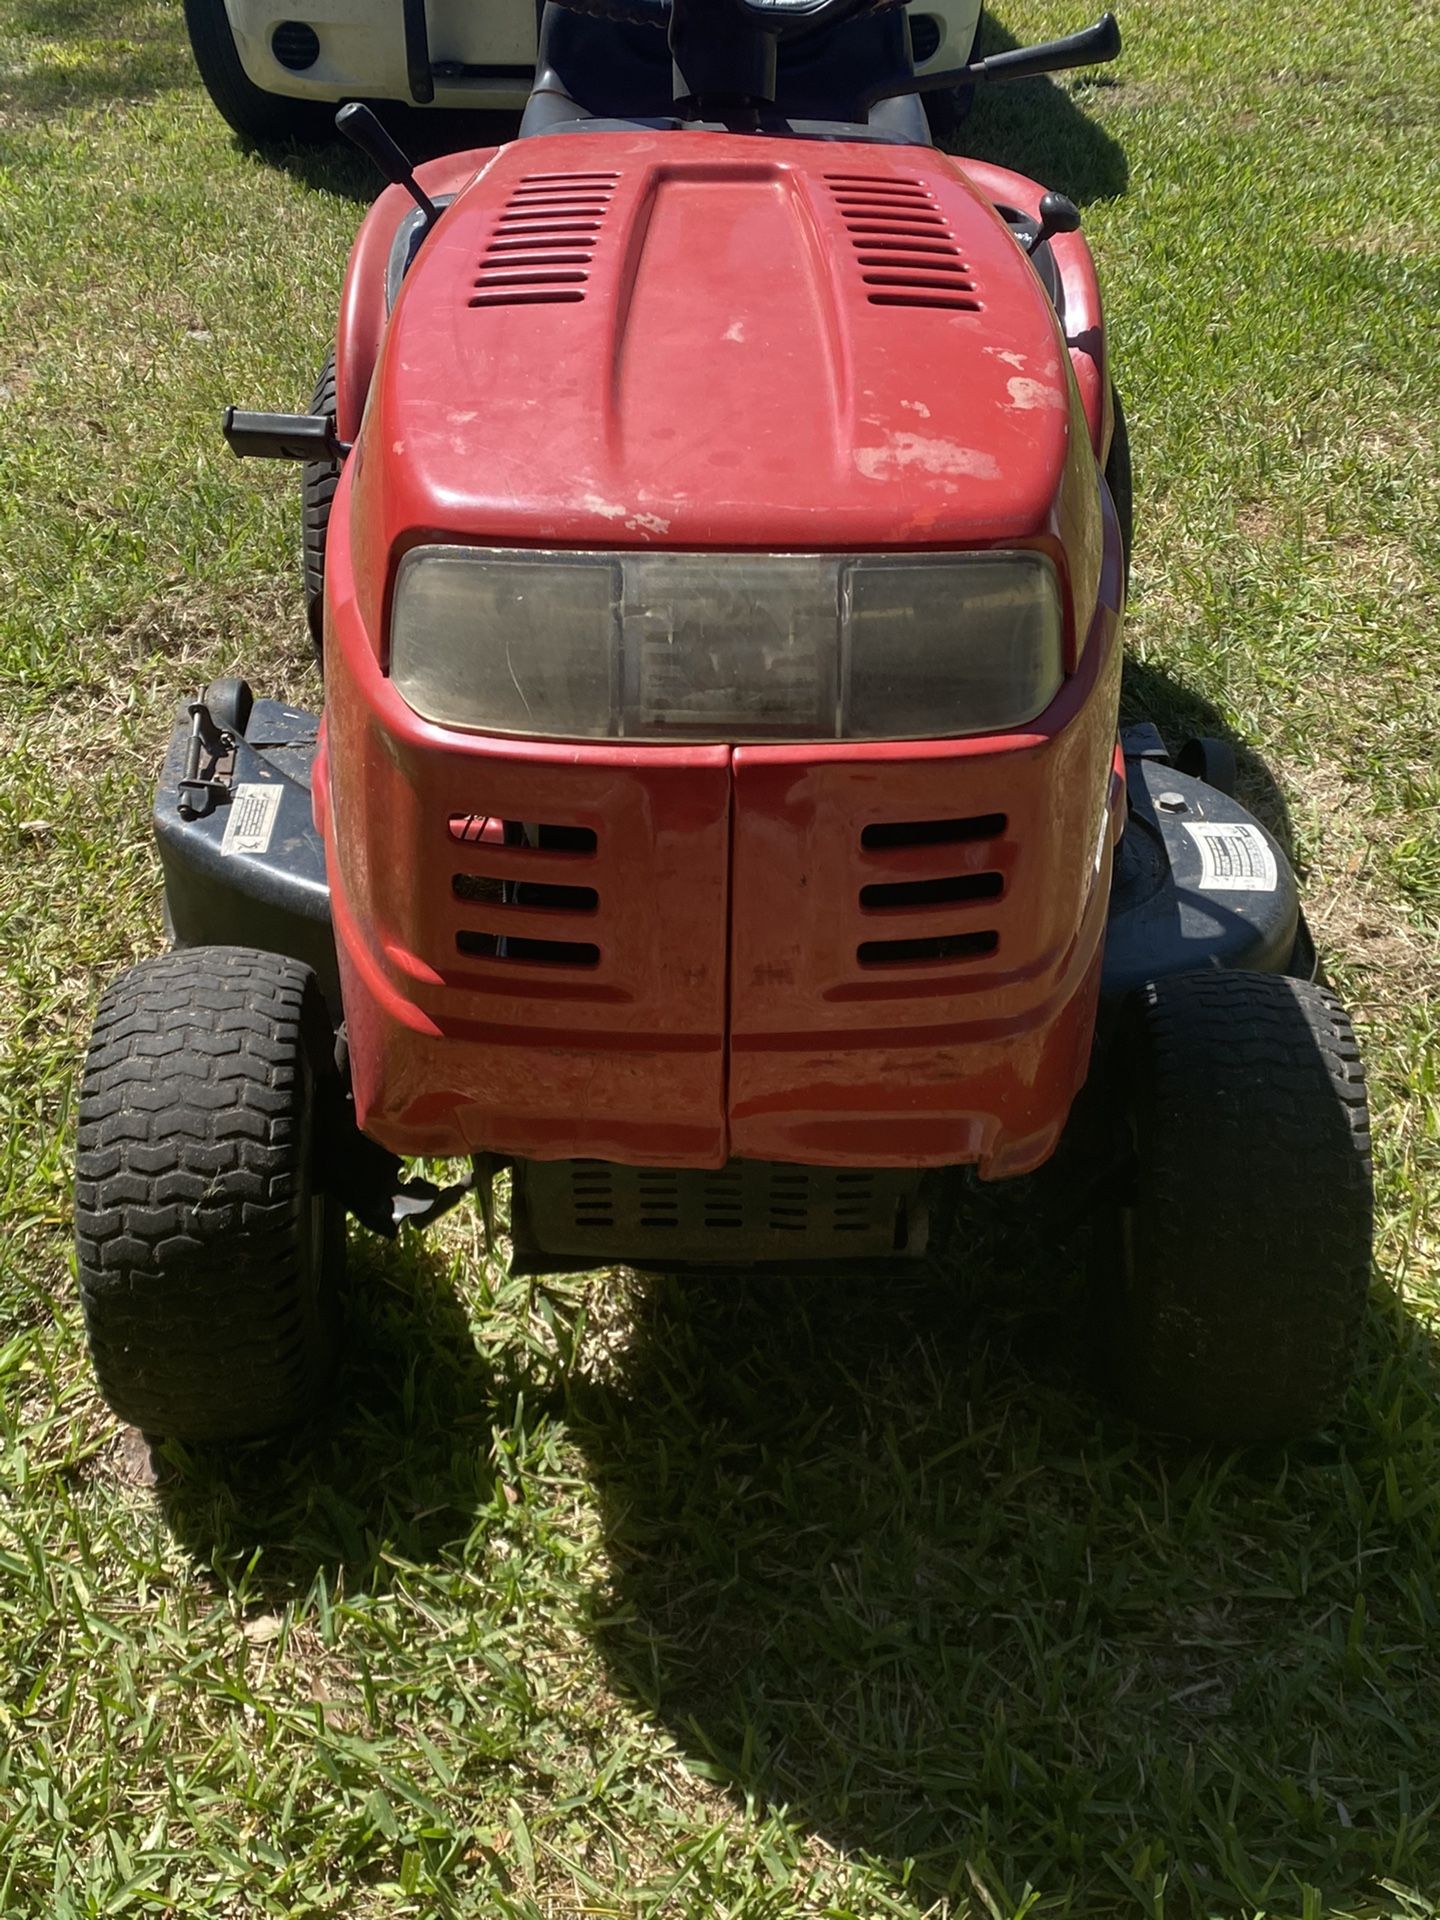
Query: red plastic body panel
828	1062
720	376
927	1062
624	1060
1084	324
361	325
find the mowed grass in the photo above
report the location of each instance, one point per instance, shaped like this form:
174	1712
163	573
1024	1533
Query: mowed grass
633	1598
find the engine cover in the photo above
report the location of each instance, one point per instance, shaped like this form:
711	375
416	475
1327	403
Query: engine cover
715	341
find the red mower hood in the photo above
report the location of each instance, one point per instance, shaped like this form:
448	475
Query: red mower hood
699	340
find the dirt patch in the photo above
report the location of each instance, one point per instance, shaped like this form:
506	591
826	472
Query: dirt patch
1257	520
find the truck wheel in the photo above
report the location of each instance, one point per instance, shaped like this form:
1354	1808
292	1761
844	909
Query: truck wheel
1234	1283
257	116
208	1253
318	481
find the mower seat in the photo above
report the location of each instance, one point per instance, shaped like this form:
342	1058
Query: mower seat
595	76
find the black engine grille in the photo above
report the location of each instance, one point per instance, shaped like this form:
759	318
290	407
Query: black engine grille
595	1212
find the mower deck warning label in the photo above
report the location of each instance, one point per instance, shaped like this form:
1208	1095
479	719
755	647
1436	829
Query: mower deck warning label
1234	857
252	819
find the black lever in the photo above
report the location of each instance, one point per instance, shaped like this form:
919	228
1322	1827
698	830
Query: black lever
1089	48
1057	215
358	124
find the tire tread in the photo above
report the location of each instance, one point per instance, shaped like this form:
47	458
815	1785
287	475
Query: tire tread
1250	1230
193	1194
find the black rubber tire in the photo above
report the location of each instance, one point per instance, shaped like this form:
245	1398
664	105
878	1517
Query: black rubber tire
1234	1283
264	119
948	108
1119	480
318	481
230	702
209	1257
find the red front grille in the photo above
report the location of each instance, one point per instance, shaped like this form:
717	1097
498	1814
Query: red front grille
524	896
946	910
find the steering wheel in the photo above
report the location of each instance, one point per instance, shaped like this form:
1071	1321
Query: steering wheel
781	19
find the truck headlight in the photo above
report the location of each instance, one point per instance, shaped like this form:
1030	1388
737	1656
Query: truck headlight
726	647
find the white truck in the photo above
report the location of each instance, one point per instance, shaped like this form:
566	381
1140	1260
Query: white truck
275	69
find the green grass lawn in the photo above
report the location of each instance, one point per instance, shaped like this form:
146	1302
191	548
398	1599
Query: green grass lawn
630	1598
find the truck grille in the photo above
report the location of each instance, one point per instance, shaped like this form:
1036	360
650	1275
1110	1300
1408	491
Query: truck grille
903	244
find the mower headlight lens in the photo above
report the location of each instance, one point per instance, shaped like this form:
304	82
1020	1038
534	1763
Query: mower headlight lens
726	647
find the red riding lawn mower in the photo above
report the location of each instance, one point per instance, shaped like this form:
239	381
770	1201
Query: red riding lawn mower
716	524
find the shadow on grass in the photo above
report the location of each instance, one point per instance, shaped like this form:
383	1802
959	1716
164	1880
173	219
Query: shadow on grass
876	1559
1147	692
339	168
1040	128
396	1468
876	1564
90	53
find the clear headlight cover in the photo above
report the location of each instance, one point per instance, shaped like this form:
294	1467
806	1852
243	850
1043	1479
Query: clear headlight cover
726	647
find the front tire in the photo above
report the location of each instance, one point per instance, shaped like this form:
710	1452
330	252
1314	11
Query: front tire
264	119
1234	1282
318	481
1120	481
208	1251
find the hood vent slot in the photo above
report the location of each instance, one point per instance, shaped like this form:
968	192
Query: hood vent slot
903	244
543	246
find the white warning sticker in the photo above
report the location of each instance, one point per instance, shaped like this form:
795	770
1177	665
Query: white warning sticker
1235	857
251	819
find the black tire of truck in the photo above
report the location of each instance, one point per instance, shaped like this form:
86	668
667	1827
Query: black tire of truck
263	119
1119	480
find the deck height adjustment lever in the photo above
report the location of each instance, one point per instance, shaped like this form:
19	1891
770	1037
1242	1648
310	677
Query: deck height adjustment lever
212	747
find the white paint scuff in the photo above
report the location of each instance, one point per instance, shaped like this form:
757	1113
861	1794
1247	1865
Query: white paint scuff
1029	394
908	451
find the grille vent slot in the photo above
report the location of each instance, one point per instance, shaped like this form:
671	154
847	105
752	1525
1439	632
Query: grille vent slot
552	953
490	830
925	893
940	946
893	895
884	834
903	245
543	246
536	862
482	891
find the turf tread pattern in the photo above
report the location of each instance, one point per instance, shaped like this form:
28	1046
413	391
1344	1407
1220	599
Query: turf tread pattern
318	481
1249	1236
206	1316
